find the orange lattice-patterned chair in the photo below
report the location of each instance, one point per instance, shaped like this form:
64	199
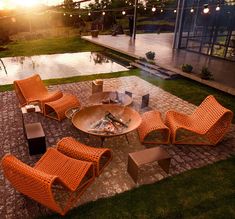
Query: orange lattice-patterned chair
32	89
206	126
152	129
73	148
56	181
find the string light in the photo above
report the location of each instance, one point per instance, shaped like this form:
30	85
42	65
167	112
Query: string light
103	13
79	16
206	9
191	10
161	10
89	14
123	12
175	11
64	14
153	9
217	8
70	15
145	8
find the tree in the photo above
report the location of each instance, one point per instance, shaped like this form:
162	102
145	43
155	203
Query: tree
69	4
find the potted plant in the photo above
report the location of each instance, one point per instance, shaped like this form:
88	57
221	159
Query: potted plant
94	33
206	74
150	55
187	68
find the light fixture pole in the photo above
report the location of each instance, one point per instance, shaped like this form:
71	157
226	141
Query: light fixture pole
135	19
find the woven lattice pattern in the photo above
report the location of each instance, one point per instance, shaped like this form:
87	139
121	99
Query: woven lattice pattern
210	122
72	148
52	170
152	129
32	89
56	109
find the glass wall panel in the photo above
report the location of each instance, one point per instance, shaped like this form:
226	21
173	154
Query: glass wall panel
208	27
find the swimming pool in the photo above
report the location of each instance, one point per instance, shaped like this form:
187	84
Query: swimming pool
57	66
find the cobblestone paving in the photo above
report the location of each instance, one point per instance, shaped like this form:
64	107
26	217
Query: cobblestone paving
114	179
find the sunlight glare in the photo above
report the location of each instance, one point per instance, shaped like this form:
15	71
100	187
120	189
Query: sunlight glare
26	3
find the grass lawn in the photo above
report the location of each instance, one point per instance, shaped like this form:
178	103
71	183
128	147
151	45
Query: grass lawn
207	193
48	46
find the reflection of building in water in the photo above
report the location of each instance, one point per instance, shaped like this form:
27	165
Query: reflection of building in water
210	31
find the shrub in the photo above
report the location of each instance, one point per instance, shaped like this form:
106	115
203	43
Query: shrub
206	74
150	55
187	68
142	59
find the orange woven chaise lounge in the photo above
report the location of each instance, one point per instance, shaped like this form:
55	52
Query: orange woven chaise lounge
32	89
56	181
152	130
73	148
206	126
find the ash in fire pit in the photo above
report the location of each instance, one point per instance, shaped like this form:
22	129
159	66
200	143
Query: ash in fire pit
109	124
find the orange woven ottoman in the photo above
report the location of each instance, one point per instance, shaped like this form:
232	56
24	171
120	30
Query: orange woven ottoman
152	130
56	109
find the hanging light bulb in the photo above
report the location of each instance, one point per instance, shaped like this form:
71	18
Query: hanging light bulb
217	8
191	10
161	10
206	9
89	14
153	9
123	12
130	3
103	13
79	16
145	8
64	14
175	11
70	15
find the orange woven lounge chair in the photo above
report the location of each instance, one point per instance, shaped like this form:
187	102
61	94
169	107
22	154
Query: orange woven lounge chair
152	130
72	148
32	89
206	126
56	181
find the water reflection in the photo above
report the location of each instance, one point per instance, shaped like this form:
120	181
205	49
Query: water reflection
58	66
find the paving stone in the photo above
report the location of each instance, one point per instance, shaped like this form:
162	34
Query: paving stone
114	178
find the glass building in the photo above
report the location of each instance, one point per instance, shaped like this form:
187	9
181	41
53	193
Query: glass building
206	27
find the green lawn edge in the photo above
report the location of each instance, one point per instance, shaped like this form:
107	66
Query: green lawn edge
206	192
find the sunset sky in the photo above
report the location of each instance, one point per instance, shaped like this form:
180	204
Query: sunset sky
11	4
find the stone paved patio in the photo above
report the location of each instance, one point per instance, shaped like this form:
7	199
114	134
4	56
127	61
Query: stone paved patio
114	179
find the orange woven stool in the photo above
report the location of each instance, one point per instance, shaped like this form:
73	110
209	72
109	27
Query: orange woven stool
72	148
205	126
56	109
56	181
152	130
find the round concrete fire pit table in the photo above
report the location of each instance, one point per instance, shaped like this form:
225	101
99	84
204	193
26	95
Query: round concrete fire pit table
110	97
85	119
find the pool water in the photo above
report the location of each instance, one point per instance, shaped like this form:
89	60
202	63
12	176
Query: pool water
57	66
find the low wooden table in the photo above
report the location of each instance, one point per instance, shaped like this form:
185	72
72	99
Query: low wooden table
110	97
140	158
34	133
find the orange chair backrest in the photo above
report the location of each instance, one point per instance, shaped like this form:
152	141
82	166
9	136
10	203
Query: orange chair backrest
31	182
209	112
29	88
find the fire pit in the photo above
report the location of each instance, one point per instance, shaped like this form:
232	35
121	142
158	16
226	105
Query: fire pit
106	120
110	97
